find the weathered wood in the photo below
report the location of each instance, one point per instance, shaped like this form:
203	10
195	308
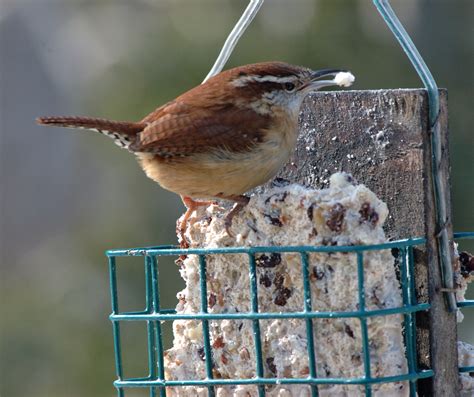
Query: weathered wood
443	326
382	139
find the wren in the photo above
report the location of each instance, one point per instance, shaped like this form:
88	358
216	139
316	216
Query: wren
221	138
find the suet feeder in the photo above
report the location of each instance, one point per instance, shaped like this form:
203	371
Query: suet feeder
395	142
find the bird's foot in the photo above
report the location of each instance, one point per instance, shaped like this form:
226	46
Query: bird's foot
191	206
240	203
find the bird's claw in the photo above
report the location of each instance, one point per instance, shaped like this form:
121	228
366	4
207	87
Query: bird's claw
228	225
238	206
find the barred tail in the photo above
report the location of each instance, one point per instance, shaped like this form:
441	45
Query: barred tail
122	132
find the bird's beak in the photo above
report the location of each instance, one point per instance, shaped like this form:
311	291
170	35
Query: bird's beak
316	82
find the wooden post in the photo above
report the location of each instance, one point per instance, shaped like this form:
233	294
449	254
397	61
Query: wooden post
382	138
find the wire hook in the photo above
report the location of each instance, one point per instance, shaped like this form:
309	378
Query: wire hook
390	18
234	36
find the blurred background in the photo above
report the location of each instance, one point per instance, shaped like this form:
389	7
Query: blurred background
66	196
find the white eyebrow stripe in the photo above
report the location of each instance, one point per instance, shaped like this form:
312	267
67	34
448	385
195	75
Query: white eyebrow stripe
242	81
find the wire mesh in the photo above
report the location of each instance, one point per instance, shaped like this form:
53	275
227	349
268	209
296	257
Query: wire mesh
154	315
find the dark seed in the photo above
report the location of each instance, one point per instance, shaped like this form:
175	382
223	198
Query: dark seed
326	370
348	331
218	343
271	365
202	356
273	220
202	353
280	300
224	359
278	280
318	274
282	296
350	179
368	214
467	263
395	252
309	211
265	281
268	261
336	217
212	300
355	358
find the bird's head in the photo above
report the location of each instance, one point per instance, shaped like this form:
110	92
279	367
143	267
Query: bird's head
269	84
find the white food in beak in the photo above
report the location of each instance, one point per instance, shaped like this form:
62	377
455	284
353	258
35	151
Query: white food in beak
344	79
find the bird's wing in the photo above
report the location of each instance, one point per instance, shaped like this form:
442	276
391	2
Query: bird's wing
182	129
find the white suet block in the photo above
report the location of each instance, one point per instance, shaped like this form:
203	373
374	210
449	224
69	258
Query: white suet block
344	214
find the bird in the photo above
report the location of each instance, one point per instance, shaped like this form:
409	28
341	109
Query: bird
222	138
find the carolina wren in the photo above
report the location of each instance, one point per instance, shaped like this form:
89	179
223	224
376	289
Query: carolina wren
221	138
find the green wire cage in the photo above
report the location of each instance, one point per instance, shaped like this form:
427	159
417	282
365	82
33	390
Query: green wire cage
154	315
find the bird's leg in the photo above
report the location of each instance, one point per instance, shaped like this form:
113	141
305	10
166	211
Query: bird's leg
240	202
191	205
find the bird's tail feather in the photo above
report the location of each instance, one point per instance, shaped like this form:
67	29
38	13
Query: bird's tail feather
122	132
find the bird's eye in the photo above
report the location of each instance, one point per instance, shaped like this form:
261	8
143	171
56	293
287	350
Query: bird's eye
289	86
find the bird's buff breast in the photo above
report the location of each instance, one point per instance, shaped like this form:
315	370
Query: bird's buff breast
220	172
